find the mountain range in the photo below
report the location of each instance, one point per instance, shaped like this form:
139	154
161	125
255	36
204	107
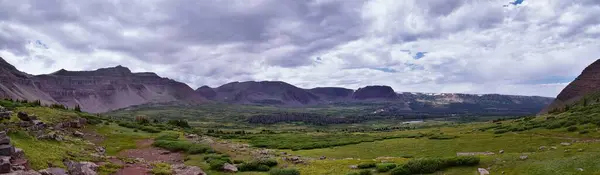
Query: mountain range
117	87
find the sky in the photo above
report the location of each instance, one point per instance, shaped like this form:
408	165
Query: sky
522	47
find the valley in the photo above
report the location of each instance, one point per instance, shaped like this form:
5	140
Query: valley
274	128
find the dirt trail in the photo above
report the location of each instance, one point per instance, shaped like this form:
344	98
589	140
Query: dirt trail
145	155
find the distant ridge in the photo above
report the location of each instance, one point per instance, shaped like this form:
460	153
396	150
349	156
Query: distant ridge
112	88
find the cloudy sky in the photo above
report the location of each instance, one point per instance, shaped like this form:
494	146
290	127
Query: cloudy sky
527	47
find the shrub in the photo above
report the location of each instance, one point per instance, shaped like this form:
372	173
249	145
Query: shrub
400	171
183	146
258	165
267	162
572	128
161	169
168	136
367	165
463	161
352	173
407	156
385	167
500	131
424	166
287	171
442	137
216	164
584	132
554	125
263	168
365	172
238	161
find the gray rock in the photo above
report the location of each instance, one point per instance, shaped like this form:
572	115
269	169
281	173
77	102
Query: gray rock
53	171
4	140
523	157
565	144
81	168
78	134
501	151
542	148
5	166
23	116
101	150
227	167
483	171
579	169
353	166
322	158
7	150
30	172
181	169
18	154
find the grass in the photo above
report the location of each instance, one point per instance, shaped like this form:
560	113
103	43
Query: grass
109	168
116	138
296	141
42	152
48	115
161	169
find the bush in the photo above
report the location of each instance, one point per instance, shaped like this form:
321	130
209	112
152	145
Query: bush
442	137
258	165
431	165
287	171
161	169
168	136
400	171
367	165
183	146
352	173
572	128
238	161
584	132
216	164
500	131
365	172
385	167
463	161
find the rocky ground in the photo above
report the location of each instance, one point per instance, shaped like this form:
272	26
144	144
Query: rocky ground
138	161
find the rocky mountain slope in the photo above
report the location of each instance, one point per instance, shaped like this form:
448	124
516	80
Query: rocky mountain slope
117	87
587	83
96	91
383	98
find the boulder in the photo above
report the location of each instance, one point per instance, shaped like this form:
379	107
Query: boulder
542	148
565	144
523	157
78	134
579	169
501	151
227	167
7	150
5	115
4	140
181	169
53	171
18	154
353	166
5	166
23	116
483	171
30	172
101	150
322	158
81	168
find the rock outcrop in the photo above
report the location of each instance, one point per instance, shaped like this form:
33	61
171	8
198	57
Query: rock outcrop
375	92
588	82
12	159
181	169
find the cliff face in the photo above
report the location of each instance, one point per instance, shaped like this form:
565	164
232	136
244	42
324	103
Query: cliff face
375	92
112	88
586	83
15	84
96	91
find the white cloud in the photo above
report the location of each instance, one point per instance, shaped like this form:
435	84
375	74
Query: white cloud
472	46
